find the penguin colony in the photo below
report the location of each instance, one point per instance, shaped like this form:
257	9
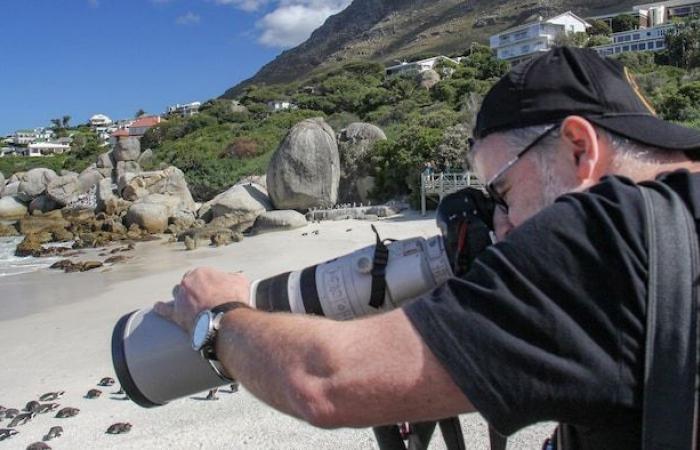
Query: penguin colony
47	404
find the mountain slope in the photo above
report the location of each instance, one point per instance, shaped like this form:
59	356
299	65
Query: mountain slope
388	31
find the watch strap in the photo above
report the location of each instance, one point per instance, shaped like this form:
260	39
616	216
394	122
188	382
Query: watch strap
209	350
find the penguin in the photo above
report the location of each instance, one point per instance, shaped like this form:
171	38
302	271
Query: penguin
93	393
21	419
32	406
51	396
38	446
119	428
212	394
67	412
106	381
47	407
53	433
7	433
11	412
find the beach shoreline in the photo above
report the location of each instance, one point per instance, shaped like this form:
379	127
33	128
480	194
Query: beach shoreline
57	329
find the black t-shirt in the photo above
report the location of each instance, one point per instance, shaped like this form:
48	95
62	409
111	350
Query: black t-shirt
548	325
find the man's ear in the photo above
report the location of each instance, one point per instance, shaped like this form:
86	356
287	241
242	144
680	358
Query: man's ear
582	140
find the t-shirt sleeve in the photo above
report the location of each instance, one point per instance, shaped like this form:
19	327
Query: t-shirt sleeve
548	324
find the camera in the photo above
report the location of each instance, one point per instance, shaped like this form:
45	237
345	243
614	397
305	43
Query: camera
154	360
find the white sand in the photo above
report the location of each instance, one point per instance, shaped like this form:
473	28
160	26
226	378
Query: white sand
55	330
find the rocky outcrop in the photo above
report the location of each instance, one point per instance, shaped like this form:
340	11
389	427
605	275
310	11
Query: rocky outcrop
151	217
34	183
64	190
355	144
105	160
170	181
43	204
91	176
146	157
11	189
44	223
11	208
8	230
428	79
127	149
108	202
240	205
279	220
305	170
125	167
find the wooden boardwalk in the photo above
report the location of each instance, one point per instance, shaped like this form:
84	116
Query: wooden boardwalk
442	184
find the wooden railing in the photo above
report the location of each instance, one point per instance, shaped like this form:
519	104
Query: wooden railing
442	184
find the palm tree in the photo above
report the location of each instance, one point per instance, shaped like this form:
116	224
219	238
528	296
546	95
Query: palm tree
65	121
56	124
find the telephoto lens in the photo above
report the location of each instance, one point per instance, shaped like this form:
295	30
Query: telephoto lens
371	280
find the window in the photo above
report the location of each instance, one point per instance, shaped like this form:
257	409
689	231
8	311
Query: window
625	48
635	36
520	35
617	49
627	38
635	47
642	46
659	44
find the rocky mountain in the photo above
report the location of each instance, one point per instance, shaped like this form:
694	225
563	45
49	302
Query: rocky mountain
389	31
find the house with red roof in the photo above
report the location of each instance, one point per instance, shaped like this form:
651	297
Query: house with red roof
142	124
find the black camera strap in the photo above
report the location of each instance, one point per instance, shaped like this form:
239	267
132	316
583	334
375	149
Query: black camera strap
670	412
381	259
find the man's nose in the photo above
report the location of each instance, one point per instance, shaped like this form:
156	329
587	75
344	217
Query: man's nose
501	224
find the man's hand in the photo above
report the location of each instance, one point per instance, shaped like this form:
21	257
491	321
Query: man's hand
202	289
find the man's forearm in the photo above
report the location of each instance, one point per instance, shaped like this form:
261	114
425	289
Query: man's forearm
276	357
365	372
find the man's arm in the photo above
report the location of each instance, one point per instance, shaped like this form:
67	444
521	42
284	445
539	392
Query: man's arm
366	372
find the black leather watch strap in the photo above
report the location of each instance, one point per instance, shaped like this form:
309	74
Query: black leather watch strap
209	352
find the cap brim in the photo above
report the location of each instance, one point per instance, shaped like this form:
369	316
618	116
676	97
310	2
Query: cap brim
651	131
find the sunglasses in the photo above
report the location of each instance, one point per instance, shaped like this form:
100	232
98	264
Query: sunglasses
490	186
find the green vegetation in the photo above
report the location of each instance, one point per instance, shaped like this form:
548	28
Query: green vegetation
232	139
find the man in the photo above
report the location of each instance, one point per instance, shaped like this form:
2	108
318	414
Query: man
548	325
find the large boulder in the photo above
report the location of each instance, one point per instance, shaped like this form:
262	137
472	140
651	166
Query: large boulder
127	149
152	217
305	170
34	183
43	223
146	157
91	176
11	208
355	144
279	220
107	201
428	78
170	181
43	204
240	204
124	167
105	160
11	189
65	190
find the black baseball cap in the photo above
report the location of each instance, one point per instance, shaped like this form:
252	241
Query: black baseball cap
575	81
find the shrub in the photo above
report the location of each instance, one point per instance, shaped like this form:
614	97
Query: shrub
242	148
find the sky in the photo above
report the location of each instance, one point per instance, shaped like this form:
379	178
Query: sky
114	57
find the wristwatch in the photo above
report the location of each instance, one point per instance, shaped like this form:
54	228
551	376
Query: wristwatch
205	330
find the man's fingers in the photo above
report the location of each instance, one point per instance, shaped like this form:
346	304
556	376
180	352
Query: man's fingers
164	309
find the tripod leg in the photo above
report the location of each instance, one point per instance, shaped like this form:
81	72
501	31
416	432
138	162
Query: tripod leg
498	441
452	433
420	438
389	438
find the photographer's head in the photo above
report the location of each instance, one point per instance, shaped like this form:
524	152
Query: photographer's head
559	123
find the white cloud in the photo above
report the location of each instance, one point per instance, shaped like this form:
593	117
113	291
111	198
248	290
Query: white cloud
293	21
188	19
245	5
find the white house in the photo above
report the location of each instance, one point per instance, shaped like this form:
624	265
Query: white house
280	105
526	41
642	40
415	67
45	149
663	12
100	121
186	110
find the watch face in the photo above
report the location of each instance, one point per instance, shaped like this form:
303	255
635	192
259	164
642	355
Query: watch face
201	330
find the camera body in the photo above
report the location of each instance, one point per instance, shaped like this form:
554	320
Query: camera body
154	360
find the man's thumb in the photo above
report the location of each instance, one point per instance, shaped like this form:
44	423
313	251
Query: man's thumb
165	309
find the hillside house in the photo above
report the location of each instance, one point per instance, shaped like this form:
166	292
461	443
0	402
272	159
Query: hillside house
652	15
528	40
139	127
186	110
642	40
416	67
45	149
99	121
280	105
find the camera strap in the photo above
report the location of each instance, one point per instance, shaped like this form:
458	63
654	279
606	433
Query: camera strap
381	259
669	418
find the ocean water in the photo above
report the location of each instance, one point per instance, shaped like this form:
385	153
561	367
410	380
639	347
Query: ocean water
12	265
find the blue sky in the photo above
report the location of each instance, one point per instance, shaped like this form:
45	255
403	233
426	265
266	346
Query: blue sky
83	57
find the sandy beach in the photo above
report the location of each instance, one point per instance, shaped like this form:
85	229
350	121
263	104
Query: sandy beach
56	330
